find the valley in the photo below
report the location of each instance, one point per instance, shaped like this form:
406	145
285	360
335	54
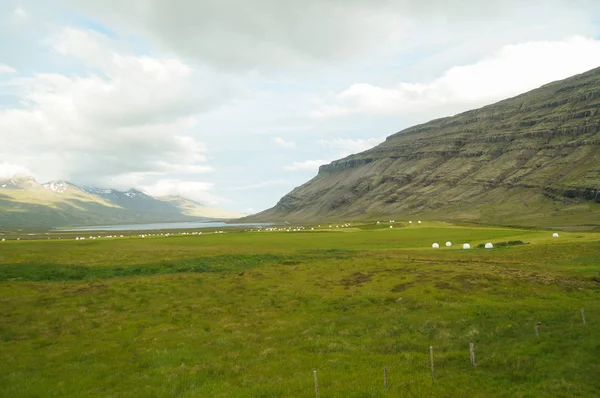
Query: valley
24	203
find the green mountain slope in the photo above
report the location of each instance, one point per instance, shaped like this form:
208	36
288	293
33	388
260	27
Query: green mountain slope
24	203
531	160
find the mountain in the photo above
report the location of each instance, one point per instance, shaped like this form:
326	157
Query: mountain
137	202
529	160
195	209
25	203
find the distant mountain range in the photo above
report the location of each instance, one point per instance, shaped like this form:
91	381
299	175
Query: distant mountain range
529	160
25	203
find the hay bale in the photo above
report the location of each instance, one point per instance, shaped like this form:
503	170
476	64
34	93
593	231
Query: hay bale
466	246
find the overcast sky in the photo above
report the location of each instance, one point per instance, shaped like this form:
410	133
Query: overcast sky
236	102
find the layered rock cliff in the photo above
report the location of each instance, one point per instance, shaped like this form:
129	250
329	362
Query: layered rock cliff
533	159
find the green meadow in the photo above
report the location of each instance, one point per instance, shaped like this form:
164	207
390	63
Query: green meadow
253	314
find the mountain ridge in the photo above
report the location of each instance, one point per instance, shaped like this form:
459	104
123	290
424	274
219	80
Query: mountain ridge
25	203
529	160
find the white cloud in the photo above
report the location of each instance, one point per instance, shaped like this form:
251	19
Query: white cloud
347	146
198	191
267	34
131	121
342	147
6	69
275	34
18	14
8	170
509	71
260	185
283	143
307	165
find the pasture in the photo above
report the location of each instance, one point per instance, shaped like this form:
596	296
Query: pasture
252	314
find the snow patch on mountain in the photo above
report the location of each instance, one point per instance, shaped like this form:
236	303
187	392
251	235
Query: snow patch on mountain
56	186
12	184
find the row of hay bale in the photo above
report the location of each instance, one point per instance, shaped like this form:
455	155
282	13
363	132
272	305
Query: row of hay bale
437	246
488	245
465	245
393	221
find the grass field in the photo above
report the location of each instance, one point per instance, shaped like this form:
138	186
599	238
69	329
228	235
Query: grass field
249	314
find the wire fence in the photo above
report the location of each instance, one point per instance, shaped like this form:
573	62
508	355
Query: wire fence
432	361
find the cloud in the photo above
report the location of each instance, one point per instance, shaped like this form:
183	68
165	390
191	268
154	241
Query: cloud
6	69
283	143
132	119
270	35
199	191
511	70
347	146
20	13
307	165
8	170
342	146
266	34
260	185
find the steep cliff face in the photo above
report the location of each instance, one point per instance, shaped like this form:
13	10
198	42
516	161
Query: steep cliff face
532	159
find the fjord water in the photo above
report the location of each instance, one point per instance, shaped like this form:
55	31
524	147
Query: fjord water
163	226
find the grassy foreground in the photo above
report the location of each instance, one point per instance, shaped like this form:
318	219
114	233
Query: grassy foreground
248	314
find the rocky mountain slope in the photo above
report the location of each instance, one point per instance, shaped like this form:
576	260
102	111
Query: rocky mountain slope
529	160
24	203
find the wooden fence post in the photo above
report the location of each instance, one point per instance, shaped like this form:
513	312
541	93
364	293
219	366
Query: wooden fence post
385	378
537	332
316	384
431	360
472	352
583	315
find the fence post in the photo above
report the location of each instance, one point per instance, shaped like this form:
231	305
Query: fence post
537	332
583	315
472	352
385	378
431	360
316	384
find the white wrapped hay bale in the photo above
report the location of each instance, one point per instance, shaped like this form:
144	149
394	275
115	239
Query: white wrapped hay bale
489	245
466	246
435	246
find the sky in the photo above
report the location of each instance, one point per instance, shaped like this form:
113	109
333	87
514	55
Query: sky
234	103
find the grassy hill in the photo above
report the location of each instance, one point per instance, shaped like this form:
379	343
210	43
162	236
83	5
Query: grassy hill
529	160
252	314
